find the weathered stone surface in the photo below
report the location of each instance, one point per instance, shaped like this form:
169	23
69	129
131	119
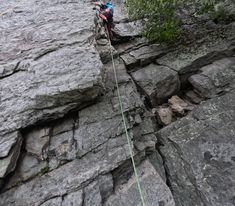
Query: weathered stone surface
28	167
7	142
193	97
143	55
158	82
199	154
53	202
62	147
164	115
132	44
189	59
129	60
215	78
74	198
129	29
61	69
8	164
120	13
47	67
8	69
64	125
147	53
105	186
37	142
155	191
56	183
179	106
92	195
158	163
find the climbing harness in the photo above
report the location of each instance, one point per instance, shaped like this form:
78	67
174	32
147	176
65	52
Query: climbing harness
125	125
100	15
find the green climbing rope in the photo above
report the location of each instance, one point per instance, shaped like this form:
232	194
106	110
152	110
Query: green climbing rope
125	126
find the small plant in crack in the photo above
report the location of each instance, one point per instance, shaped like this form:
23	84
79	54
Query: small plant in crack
45	170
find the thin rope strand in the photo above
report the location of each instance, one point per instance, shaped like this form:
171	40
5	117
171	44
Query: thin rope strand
125	126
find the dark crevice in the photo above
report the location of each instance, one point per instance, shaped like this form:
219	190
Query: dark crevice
124	172
46	52
83	197
164	161
8	75
50	123
144	96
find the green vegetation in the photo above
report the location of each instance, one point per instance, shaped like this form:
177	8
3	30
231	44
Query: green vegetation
219	10
45	170
162	24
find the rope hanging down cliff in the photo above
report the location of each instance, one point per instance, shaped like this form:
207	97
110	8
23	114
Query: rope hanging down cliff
124	123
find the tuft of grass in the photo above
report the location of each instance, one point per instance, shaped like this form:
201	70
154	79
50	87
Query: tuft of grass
45	170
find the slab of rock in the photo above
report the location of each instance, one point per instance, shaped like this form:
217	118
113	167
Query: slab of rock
190	59
215	78
130	61
37	142
120	13
8	69
74	198
129	29
147	53
164	115
92	195
28	167
179	106
155	191
199	154
142	56
7	142
48	66
8	163
132	44
193	97
64	125
158	82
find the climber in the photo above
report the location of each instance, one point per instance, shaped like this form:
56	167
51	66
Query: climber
106	13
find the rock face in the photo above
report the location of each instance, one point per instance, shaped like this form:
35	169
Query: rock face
48	66
8	161
149	180
199	154
57	68
215	78
62	138
158	82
